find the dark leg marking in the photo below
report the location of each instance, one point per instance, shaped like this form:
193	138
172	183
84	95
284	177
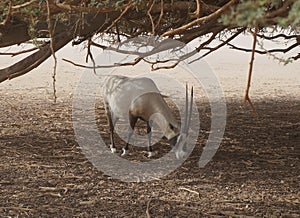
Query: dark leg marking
132	122
149	132
111	122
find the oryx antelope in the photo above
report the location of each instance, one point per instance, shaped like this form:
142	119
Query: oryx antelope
139	98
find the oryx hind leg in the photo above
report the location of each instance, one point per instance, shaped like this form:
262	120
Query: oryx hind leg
112	120
132	122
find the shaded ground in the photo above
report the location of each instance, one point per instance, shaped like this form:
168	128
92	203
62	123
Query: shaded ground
254	173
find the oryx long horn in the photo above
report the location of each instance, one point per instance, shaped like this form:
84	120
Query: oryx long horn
191	109
185	127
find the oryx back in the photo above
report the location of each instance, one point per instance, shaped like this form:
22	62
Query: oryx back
120	92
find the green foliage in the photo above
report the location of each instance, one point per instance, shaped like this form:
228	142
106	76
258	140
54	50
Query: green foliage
94	3
4	10
119	4
249	13
293	18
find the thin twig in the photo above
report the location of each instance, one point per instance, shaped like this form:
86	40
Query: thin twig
278	36
161	14
52	49
17	208
153	68
151	18
157	48
19	52
189	190
127	7
247	98
271	54
208	18
176	61
137	60
118	33
98	45
147	209
218	46
283	50
11	105
207	42
296	57
23	5
196	14
89	54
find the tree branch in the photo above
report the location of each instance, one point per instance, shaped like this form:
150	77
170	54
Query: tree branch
59	40
34	60
51	30
161	13
283	50
296	57
247	98
129	19
150	17
196	14
198	21
20	52
278	36
24	5
127	7
137	60
218	46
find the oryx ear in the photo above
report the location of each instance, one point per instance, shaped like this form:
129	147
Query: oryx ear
171	126
173	140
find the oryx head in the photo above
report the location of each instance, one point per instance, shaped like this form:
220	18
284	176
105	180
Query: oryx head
180	141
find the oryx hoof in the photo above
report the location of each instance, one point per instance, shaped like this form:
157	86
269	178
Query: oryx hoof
124	152
173	150
113	150
150	154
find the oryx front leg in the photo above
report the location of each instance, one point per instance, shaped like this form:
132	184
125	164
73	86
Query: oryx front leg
149	133
132	122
